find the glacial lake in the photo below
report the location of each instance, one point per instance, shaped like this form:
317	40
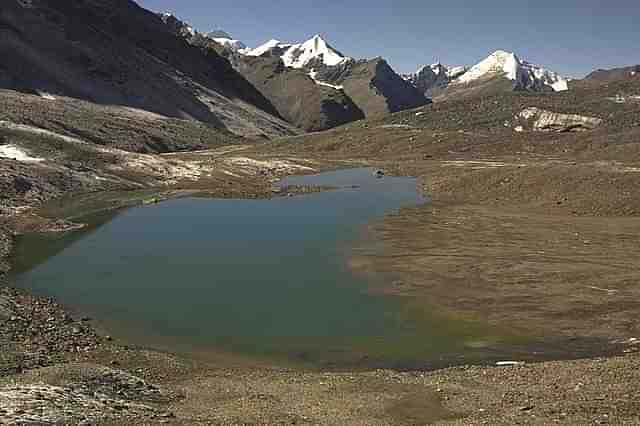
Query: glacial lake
267	279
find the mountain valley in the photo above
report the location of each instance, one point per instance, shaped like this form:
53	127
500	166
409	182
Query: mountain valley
531	227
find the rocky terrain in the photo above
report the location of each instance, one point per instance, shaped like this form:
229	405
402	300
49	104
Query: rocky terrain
297	97
530	228
374	86
433	79
533	223
117	53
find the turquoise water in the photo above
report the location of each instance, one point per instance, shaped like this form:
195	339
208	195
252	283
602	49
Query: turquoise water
263	278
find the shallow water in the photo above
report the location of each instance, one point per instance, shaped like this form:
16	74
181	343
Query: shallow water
263	278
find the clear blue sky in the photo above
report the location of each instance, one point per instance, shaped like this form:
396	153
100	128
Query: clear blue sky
572	37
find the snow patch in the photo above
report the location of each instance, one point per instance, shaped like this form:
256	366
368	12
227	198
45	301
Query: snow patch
225	39
171	171
15	153
47	96
264	48
314	73
235	45
456	72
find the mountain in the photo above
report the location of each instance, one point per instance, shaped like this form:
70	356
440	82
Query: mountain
113	52
297	97
616	74
309	105
433	79
311	84
499	71
315	52
373	85
525	76
224	39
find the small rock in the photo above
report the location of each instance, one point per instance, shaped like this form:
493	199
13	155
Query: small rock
509	363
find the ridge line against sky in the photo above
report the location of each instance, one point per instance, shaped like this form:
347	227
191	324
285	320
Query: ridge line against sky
572	37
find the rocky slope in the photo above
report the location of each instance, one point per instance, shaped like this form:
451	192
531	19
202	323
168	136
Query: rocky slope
125	128
297	97
113	52
372	85
433	79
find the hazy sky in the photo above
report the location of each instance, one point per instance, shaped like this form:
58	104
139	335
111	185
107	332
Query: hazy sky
573	37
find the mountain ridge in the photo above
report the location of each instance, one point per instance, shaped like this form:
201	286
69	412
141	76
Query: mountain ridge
117	53
347	89
436	78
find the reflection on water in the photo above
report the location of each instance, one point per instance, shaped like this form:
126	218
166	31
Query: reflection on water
265	278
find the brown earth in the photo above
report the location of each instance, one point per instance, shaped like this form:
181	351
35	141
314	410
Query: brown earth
535	231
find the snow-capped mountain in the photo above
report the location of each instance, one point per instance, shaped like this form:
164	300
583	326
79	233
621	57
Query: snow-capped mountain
524	74
429	78
223	38
313	52
269	46
432	80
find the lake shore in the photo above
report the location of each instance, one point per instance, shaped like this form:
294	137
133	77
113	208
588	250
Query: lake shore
174	389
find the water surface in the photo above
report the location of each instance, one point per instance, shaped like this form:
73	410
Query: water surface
264	278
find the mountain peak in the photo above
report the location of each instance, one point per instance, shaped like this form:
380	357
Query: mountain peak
502	53
316	49
265	47
524	74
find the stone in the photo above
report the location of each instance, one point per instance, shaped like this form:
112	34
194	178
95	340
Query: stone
541	120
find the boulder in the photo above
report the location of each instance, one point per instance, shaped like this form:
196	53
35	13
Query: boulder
542	120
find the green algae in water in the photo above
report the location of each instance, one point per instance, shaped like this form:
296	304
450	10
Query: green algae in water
265	278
